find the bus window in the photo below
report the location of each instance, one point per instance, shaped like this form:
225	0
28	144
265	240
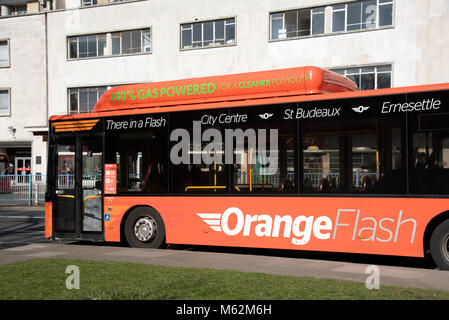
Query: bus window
141	161
321	162
430	170
92	164
349	157
197	162
364	163
264	154
66	166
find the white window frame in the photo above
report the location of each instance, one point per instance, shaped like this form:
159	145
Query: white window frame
8	49
317	13
98	36
215	41
346	72
345	10
311	13
8	113
379	4
108	40
14	10
88	3
77	90
142	47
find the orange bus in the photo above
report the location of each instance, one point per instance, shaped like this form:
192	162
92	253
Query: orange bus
286	159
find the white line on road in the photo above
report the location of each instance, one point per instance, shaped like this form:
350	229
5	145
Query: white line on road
19	233
21	217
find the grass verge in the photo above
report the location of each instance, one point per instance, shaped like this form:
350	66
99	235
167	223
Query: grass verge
46	279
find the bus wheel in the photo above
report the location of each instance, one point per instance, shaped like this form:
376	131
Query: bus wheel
144	228
439	245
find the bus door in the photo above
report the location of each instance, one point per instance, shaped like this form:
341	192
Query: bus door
78	198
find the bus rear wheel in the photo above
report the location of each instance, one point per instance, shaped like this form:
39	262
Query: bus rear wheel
144	228
439	245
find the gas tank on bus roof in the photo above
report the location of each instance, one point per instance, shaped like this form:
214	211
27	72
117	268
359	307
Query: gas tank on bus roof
243	86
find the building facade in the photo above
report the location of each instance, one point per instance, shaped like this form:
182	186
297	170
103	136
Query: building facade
23	92
58	57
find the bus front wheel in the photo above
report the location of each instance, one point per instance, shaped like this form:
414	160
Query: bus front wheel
144	228
439	245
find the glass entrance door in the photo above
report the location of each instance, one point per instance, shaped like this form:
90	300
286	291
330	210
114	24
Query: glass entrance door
23	169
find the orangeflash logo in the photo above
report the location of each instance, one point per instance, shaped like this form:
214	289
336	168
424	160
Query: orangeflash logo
302	227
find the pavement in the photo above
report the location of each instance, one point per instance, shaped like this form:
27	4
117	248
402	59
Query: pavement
21	239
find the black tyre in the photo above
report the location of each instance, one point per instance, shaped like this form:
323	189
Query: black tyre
439	245
144	228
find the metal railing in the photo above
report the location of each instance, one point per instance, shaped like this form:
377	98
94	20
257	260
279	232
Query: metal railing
67	181
29	188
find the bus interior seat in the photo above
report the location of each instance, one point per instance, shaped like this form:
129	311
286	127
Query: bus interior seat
287	186
307	185
420	160
145	181
389	182
152	180
333	184
367	183
324	186
431	161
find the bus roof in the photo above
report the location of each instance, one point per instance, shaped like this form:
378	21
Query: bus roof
252	85
242	99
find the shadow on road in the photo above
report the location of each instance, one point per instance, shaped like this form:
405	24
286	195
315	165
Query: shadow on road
424	263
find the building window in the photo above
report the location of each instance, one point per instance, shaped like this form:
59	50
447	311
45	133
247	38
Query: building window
361	15
107	44
133	41
16	10
84	99
87	46
5	102
208	33
297	23
88	3
318	16
368	78
4	53
343	17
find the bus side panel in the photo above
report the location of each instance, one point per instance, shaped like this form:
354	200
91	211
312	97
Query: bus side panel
114	211
48	220
384	226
